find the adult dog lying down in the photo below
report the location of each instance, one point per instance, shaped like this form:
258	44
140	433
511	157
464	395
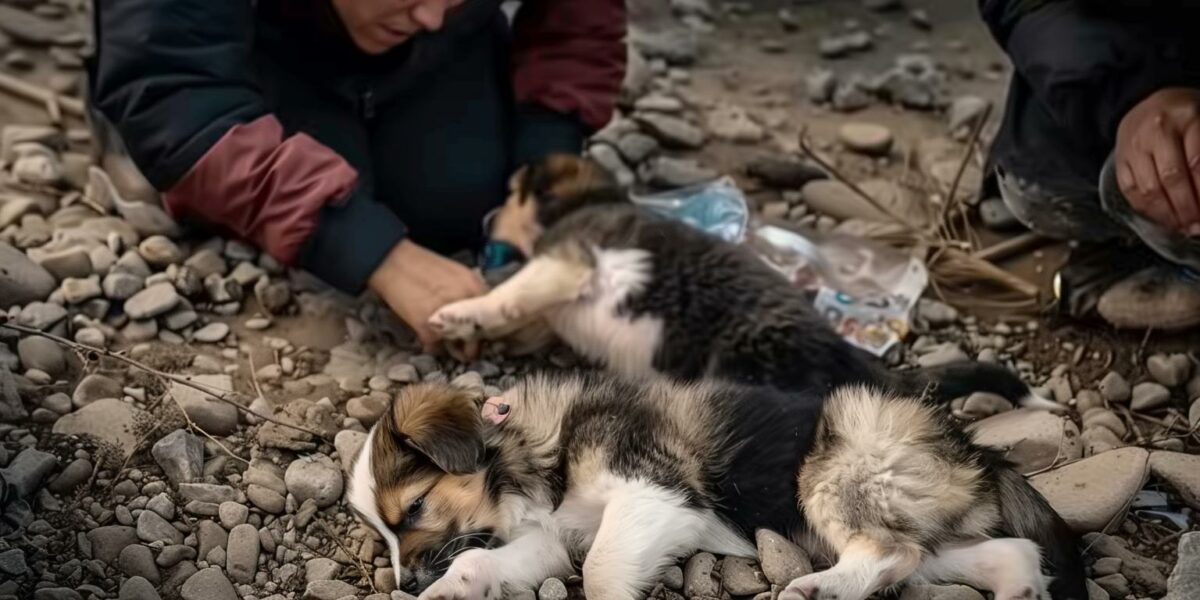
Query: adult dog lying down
640	293
480	499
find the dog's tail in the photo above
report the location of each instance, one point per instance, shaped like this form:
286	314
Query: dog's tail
945	383
1024	513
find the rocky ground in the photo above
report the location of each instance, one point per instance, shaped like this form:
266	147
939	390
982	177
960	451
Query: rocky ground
203	455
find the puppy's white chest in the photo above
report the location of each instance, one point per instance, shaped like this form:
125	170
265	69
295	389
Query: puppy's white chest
593	325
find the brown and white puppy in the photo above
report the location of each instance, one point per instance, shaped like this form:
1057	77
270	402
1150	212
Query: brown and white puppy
640	293
624	478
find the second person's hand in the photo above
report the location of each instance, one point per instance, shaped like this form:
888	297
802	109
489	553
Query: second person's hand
415	282
1158	158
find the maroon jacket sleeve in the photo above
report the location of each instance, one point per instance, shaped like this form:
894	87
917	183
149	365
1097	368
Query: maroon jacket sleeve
263	186
569	56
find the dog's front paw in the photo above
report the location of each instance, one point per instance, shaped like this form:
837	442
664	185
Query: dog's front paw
457	320
469	578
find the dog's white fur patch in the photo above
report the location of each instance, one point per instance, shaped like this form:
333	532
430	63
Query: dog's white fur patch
361	495
593	325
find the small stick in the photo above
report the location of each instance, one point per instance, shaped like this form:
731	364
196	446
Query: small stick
217	393
1015	245
54	104
192	425
357	561
966	159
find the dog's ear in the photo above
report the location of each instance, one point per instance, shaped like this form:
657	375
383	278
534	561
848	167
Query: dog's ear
443	424
563	183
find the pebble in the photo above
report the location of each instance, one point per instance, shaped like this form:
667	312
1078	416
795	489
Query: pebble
850	96
1170	370
73	476
367	409
316	477
984	404
783	173
742	577
22	280
1031	439
153	528
1181	471
636	146
138	588
266	499
208	584
159	251
95	387
672	132
241	559
1114	388
257	323
79	290
173	555
71	262
321	569
733	124
820	84
41	315
1106	566
212	415
936	313
153	301
137	560
109	420
90	336
698	577
119	285
181	456
1116	585
207	262
42	354
12	562
670	172
781	560
1107	419
233	514
162	505
329	590
944	355
866	138
211	333
1149	396
965	112
107	542
1091	493
1184	583
552	589
673	578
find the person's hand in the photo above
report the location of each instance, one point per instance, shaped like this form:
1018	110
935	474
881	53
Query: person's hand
415	282
1158	158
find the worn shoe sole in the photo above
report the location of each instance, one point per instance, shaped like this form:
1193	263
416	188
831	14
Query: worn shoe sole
1158	298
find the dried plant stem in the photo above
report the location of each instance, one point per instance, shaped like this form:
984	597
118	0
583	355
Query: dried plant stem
219	394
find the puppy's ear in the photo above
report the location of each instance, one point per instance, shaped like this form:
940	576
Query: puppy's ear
442	423
563	183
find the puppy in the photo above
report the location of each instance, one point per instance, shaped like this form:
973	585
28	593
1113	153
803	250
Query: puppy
641	293
481	500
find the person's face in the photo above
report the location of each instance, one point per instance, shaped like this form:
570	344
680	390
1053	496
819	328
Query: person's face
377	26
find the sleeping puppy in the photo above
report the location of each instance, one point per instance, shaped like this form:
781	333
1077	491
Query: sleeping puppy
641	293
483	499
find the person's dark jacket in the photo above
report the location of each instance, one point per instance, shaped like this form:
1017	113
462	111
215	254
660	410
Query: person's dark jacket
175	77
1080	65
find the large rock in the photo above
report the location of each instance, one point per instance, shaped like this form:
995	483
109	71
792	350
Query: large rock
181	456
1181	471
153	528
314	477
108	542
742	577
1093	493
1032	439
1184	583
208	584
672	132
41	315
781	560
212	415
109	420
329	590
698	579
138	588
28	470
42	354
838	200
21	280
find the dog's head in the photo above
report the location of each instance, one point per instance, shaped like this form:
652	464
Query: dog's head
420	480
542	193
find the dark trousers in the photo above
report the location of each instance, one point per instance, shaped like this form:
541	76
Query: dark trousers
438	157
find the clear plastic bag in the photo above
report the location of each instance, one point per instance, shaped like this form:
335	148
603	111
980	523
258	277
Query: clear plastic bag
717	207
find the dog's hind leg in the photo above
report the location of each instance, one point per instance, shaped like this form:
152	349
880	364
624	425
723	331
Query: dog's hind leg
1008	567
643	529
545	282
865	565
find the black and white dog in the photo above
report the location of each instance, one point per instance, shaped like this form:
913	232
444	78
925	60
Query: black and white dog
486	498
642	293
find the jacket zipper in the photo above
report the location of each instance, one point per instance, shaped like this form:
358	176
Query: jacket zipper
367	101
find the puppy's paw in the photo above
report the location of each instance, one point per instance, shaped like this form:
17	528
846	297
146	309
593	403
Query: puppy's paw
823	585
458	320
469	578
